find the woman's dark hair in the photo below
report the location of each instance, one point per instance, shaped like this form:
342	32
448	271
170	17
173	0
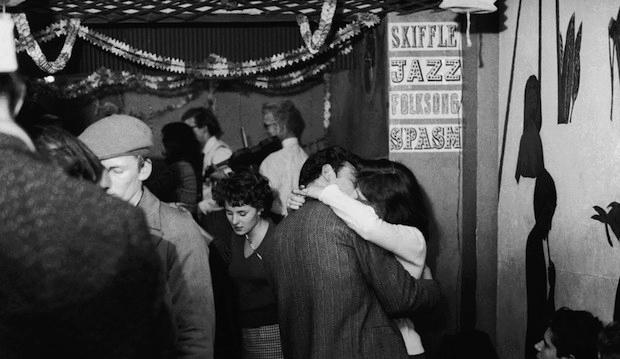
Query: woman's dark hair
609	341
63	149
575	332
181	145
394	192
245	187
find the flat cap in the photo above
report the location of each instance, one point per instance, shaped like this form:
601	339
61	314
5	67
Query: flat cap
118	135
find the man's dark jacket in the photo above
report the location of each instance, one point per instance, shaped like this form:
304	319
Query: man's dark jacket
337	292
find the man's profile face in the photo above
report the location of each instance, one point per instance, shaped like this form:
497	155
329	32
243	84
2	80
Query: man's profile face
545	348
125	177
346	179
271	125
200	133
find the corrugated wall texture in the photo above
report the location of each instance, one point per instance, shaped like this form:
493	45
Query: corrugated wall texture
236	42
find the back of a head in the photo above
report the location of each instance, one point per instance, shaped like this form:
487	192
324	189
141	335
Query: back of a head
80	275
204	117
335	156
394	191
609	341
289	115
575	332
69	153
180	143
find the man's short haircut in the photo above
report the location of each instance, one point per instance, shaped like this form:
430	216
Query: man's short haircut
204	117
270	107
575	332
289	115
12	86
609	341
334	156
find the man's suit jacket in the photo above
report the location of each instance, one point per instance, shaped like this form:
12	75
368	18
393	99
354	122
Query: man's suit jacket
336	292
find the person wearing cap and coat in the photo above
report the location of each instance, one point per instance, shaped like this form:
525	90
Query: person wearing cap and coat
121	143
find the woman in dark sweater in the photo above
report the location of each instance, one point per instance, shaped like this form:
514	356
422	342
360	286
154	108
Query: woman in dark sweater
247	198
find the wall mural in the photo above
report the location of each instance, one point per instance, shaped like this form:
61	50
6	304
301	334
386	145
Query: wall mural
614	49
569	69
540	278
611	220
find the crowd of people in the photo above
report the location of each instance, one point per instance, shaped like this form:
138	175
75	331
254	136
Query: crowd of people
319	255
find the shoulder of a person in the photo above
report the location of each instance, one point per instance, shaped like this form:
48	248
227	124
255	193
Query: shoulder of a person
314	211
178	222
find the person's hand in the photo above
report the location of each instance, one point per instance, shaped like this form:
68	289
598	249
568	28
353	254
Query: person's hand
296	199
313	191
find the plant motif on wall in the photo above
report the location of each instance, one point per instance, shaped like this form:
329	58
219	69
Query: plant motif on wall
569	69
614	49
611	220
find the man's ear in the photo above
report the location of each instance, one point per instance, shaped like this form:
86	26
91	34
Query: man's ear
146	170
327	171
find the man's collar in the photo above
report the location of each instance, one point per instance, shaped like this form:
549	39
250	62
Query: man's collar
150	205
211	142
291	141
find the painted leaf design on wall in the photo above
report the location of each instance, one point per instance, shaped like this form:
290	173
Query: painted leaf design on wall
569	70
614	49
611	220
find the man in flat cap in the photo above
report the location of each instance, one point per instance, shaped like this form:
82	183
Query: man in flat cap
122	143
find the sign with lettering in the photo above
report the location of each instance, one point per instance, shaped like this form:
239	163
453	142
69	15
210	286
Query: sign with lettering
425	93
424	36
425	70
425	138
425	104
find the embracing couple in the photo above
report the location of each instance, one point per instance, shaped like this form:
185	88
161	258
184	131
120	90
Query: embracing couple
343	269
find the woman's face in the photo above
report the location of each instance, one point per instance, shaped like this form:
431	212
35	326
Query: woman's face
242	218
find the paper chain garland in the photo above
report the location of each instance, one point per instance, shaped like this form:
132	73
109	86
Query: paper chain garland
315	41
215	67
34	50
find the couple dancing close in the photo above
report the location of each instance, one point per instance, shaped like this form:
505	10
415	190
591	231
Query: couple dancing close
338	295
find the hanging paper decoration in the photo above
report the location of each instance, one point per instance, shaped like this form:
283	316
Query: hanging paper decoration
315	40
34	50
215	67
327	105
469	7
8	60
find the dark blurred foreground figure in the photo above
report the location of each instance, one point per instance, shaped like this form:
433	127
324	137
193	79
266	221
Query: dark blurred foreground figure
80	276
571	334
337	292
609	342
